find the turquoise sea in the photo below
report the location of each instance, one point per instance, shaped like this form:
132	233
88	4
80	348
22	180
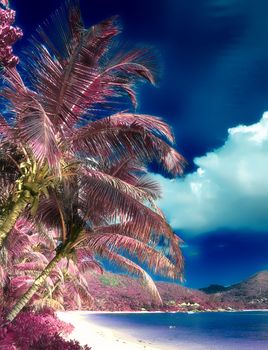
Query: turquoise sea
206	331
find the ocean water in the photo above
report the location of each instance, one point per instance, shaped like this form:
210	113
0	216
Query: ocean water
204	331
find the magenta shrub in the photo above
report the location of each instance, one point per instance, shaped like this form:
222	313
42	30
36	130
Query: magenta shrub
55	342
40	331
8	36
29	327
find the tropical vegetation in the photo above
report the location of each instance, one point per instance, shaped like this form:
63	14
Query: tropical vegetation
74	155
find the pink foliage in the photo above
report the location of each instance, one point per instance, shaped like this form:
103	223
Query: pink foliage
8	36
123	293
29	328
56	343
19	285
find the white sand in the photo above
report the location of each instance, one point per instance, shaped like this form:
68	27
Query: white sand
100	337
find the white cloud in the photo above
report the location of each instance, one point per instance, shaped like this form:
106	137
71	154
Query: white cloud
229	188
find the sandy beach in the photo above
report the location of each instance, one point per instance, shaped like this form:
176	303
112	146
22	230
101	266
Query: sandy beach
100	337
108	336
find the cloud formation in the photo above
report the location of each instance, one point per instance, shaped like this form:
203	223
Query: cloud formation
228	190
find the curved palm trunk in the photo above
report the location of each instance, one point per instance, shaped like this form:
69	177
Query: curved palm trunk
23	301
11	218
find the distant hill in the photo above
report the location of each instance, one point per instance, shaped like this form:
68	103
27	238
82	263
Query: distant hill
120	292
214	288
113	292
252	291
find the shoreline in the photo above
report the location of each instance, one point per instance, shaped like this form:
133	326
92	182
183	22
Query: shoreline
89	312
100	337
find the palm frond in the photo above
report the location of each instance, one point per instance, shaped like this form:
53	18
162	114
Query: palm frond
18	243
126	168
24	226
89	266
62	69
117	203
116	78
9	168
35	257
77	71
29	266
134	269
82	290
136	192
3	276
46	236
60	31
148	185
20	284
128	228
57	274
131	135
86	261
50	303
139	122
155	260
48	214
34	126
5	129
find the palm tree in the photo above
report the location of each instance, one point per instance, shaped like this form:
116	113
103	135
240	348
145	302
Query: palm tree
72	109
61	120
109	211
26	254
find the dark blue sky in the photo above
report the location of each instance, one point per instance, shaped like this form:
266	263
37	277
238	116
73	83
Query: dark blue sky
214	76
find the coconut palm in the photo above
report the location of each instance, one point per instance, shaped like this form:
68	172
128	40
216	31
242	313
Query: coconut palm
20	261
109	211
72	109
26	254
61	119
